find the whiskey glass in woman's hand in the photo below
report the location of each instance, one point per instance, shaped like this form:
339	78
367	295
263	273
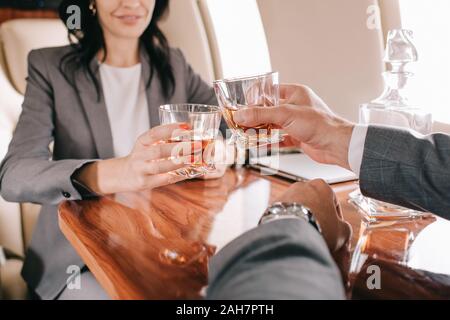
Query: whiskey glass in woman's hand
202	132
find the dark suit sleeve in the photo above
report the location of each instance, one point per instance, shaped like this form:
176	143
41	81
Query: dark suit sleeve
198	90
28	173
285	259
407	169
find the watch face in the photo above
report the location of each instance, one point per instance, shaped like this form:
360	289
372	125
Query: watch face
294	209
277	209
289	210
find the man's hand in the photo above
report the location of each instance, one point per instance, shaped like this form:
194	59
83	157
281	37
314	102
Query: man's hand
321	134
320	198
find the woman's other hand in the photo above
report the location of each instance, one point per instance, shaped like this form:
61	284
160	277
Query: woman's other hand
151	163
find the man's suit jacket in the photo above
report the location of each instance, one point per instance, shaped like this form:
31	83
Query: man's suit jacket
77	122
281	260
407	169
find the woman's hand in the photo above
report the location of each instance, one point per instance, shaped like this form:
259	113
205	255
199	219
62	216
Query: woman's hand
151	164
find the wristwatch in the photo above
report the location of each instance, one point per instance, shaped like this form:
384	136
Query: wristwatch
285	210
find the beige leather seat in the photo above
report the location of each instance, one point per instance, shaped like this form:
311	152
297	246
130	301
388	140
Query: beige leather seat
17	221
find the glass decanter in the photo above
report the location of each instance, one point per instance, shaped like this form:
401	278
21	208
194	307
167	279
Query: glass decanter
393	108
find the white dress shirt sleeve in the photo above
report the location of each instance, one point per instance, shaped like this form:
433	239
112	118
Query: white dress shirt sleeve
356	148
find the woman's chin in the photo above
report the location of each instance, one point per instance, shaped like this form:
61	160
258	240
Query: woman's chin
130	33
129	30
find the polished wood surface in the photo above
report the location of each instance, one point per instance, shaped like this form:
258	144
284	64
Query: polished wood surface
157	244
9	14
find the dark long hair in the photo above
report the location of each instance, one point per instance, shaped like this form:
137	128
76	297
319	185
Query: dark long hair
90	39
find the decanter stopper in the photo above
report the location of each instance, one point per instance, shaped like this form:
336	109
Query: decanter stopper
399	49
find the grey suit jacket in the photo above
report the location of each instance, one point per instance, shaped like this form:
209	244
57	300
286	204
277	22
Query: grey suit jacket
77	123
407	169
281	260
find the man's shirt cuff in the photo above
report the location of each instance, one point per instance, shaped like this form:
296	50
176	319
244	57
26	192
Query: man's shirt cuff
356	148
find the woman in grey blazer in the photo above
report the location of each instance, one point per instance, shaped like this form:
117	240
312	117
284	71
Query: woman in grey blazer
69	101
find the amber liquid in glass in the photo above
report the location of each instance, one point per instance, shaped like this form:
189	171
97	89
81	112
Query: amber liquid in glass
203	162
229	113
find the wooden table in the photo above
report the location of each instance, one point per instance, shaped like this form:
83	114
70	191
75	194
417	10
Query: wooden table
156	244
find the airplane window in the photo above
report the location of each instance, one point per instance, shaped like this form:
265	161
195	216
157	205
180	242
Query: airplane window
431	26
240	35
